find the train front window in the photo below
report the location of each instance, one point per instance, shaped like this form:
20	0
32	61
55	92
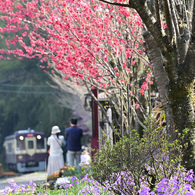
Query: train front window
20	144
40	142
30	144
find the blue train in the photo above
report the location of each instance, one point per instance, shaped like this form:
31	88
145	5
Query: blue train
26	151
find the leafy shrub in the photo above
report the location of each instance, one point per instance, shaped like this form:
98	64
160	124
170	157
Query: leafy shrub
181	183
86	185
130	162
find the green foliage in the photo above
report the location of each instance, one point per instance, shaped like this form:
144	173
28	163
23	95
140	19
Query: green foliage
28	100
42	191
76	186
68	171
8	66
151	156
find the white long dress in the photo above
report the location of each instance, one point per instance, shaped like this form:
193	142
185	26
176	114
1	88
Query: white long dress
56	159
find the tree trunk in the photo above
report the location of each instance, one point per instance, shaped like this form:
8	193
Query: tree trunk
175	94
161	79
183	106
172	55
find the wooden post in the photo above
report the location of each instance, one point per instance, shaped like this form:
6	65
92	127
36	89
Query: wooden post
1	169
95	126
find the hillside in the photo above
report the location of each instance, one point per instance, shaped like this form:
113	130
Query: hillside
30	98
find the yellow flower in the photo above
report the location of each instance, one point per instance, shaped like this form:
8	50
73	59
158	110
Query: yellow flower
72	168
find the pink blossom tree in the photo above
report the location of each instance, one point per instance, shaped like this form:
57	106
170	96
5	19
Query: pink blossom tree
86	42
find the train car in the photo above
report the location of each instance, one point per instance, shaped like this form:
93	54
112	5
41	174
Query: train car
26	151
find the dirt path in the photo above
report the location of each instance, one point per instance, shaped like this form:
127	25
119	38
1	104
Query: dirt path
37	177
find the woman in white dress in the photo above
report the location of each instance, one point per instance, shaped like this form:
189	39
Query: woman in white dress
56	159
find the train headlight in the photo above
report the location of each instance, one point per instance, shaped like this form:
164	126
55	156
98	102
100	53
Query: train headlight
21	137
20	157
38	136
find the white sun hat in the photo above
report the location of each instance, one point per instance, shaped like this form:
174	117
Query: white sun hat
55	129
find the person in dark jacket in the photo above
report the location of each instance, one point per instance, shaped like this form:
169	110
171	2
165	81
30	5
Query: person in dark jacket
73	136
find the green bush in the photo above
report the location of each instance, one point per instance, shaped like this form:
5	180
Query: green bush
130	161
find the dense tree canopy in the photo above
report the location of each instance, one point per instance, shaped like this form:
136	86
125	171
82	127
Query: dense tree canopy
88	42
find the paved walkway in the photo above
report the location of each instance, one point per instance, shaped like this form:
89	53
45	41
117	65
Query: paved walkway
37	177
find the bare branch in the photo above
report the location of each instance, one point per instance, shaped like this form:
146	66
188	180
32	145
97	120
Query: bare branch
118	4
168	18
157	12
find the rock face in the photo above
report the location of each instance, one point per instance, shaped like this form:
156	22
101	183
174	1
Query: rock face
31	98
73	99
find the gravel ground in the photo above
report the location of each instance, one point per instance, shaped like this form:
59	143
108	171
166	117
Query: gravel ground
37	177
